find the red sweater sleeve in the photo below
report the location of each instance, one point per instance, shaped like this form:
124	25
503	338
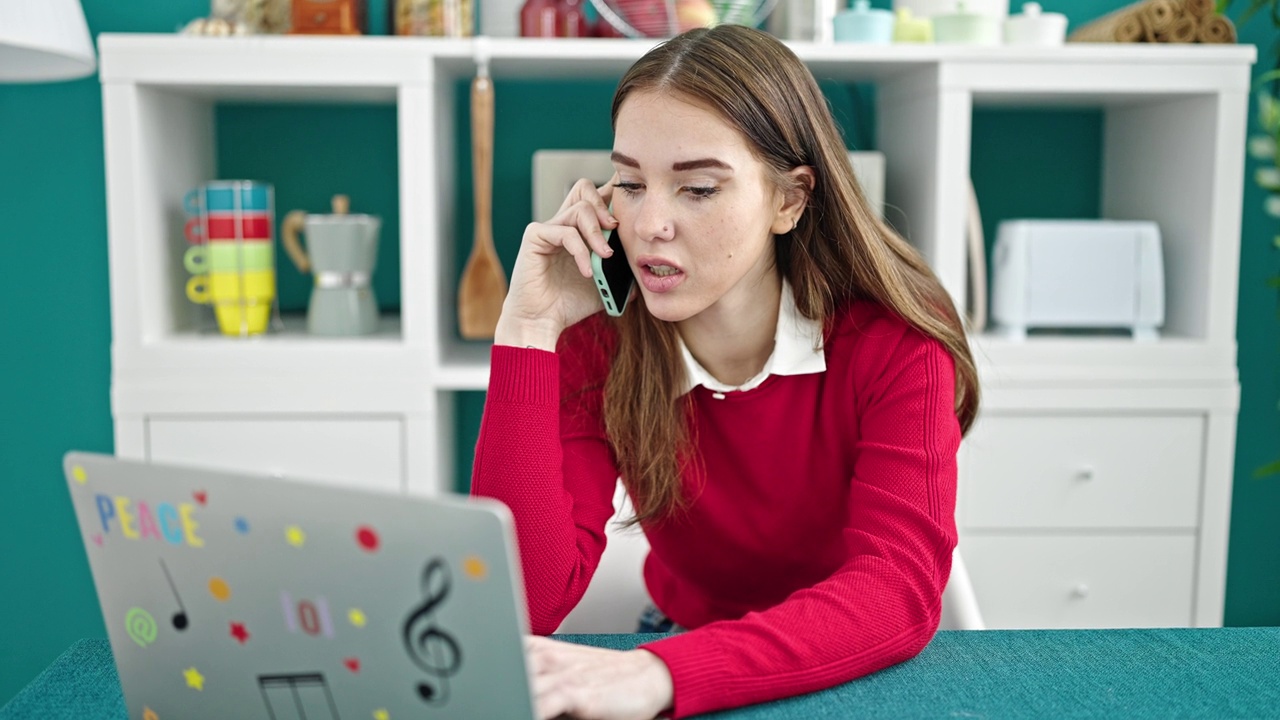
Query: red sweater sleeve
557	478
882	605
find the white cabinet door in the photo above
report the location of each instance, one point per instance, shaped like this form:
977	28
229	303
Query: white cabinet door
1082	581
1079	471
364	452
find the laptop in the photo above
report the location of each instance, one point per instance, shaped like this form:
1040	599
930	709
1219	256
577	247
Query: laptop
227	595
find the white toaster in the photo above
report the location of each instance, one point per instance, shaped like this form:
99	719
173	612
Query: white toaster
1078	275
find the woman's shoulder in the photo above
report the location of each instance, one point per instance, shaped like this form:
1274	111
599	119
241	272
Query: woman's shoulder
867	329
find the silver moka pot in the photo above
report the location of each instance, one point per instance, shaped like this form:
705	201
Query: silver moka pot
341	252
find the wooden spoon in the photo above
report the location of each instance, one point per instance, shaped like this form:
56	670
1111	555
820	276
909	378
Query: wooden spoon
483	286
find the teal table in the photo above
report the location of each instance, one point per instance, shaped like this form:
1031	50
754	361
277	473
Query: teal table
1168	673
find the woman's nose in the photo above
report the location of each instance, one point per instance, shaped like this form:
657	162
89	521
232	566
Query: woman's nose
653	221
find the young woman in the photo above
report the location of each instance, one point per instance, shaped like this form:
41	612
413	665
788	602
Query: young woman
783	399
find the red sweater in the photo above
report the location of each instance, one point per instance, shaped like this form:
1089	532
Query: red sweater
818	542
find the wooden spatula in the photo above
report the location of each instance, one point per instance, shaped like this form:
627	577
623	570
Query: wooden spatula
483	286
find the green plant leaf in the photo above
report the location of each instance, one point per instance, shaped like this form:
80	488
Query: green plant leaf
1268	178
1268	469
1269	111
1262	147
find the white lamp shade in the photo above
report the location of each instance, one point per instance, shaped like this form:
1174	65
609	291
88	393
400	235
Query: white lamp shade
44	40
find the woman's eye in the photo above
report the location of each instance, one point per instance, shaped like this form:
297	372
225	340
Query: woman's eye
701	193
629	188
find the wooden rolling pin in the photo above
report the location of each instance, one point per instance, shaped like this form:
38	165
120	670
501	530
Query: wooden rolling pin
483	286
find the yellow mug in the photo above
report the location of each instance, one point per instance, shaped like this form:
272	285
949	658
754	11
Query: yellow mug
243	317
221	287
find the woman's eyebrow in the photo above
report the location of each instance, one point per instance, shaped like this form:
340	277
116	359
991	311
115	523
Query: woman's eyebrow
701	163
681	166
624	160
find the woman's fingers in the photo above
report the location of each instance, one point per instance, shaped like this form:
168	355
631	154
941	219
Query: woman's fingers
586	217
587	206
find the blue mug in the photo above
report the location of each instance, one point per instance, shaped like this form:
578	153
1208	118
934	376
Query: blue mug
228	196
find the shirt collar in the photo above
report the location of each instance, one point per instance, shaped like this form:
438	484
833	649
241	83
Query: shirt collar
797	350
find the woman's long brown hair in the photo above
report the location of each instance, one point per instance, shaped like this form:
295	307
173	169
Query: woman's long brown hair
840	250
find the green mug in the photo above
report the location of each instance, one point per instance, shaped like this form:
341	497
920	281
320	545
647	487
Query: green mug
220	257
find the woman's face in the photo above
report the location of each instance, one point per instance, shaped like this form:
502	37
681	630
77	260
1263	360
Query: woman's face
695	209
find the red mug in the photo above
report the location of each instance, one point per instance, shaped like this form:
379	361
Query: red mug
228	226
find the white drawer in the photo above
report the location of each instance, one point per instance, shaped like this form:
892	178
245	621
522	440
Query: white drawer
1072	471
365	452
1084	581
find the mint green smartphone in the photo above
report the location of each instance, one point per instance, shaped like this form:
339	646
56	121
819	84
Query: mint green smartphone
613	276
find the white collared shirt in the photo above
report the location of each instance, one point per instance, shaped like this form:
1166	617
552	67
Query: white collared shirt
797	350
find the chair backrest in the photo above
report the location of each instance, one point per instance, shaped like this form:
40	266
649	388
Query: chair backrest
616	597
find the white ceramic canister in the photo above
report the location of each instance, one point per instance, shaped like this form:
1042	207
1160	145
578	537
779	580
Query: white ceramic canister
1035	28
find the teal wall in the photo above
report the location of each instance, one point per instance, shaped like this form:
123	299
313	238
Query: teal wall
55	323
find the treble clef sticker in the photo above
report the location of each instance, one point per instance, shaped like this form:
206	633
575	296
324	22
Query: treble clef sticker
433	650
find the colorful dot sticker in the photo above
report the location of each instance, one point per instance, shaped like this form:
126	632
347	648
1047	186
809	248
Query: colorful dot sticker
368	538
194	679
353	664
239	632
381	714
475	568
149	714
294	536
242	526
201	497
97	539
357	617
79	474
219	589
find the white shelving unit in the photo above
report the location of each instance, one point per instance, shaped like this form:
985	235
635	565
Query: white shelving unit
1095	489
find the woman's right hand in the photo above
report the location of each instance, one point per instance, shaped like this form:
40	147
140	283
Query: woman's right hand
551	286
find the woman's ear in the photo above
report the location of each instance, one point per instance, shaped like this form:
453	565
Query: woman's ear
795	198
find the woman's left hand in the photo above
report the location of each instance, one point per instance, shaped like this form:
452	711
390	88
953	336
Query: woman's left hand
588	683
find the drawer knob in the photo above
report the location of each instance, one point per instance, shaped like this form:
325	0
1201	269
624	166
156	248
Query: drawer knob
1080	591
1086	473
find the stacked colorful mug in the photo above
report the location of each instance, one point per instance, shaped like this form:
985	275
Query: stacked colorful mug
232	257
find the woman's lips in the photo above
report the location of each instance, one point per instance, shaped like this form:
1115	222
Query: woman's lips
658	275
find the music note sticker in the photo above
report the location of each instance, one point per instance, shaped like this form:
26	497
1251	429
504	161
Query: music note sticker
433	650
301	695
180	617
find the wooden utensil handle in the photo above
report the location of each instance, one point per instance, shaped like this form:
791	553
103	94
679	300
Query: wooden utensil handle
482	156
